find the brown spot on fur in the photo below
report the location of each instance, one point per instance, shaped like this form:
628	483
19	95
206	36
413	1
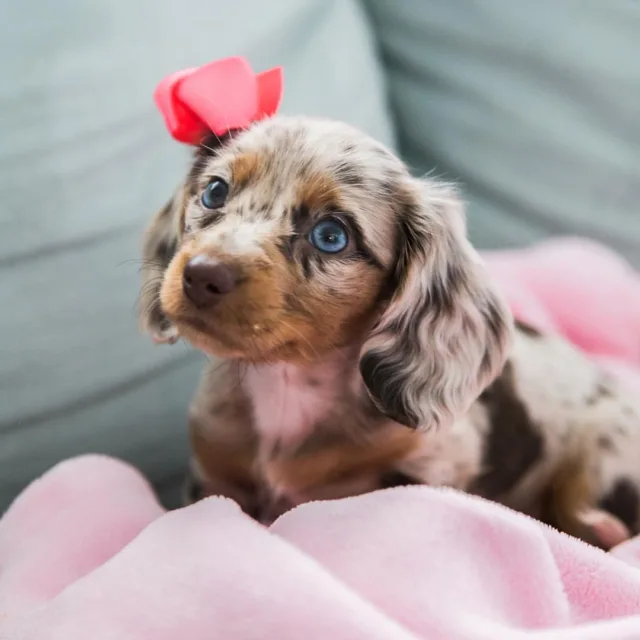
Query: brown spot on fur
319	192
569	507
570	493
232	461
321	463
513	443
243	168
317	321
294	305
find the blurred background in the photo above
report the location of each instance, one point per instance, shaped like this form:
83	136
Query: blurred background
534	107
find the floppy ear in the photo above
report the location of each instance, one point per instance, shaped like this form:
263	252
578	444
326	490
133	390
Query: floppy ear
161	242
445	333
158	248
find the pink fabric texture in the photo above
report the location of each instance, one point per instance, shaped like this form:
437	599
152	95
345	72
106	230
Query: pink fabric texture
87	552
581	290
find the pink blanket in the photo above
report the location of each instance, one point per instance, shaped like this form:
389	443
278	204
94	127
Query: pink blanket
86	551
581	290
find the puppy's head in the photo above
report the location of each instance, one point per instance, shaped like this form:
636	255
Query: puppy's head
300	236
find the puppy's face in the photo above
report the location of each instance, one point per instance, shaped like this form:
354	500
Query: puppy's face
286	238
300	236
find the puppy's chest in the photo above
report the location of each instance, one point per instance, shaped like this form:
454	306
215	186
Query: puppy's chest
289	401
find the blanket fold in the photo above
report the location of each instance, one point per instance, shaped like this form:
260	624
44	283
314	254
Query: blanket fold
87	552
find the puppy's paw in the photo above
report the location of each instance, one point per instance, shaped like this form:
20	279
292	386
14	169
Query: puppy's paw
606	530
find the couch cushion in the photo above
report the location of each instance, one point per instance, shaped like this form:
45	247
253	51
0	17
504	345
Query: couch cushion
85	162
532	106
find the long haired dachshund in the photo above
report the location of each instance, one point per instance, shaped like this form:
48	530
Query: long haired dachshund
359	343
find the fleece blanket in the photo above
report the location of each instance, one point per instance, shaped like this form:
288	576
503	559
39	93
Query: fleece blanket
581	290
87	552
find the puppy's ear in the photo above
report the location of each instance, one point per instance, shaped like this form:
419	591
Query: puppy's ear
445	333
161	243
158	248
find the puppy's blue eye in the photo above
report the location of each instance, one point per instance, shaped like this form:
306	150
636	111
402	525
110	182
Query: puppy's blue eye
329	236
215	194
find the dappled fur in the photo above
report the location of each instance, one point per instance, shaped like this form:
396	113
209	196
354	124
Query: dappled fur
322	361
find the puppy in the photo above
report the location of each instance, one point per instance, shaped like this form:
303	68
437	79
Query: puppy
359	343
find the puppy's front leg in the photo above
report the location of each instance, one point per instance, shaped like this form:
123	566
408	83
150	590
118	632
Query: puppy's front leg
222	468
223	443
332	466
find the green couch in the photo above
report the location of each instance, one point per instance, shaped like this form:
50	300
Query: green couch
533	107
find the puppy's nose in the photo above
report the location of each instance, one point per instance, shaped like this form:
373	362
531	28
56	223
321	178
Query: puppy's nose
205	280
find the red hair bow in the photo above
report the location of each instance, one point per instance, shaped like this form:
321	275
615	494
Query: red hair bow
217	97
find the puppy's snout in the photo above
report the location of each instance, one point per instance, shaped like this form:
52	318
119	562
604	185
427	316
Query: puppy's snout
205	280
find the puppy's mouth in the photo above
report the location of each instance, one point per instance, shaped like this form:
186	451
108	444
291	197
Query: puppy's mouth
236	335
253	341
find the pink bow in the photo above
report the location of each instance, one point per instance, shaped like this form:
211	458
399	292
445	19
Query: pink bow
217	98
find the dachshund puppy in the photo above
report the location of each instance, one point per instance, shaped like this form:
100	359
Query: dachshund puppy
359	343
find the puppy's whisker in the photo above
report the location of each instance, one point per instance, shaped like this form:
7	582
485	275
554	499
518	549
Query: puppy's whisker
211	371
150	293
301	335
243	369
207	147
152	282
187	347
147	262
